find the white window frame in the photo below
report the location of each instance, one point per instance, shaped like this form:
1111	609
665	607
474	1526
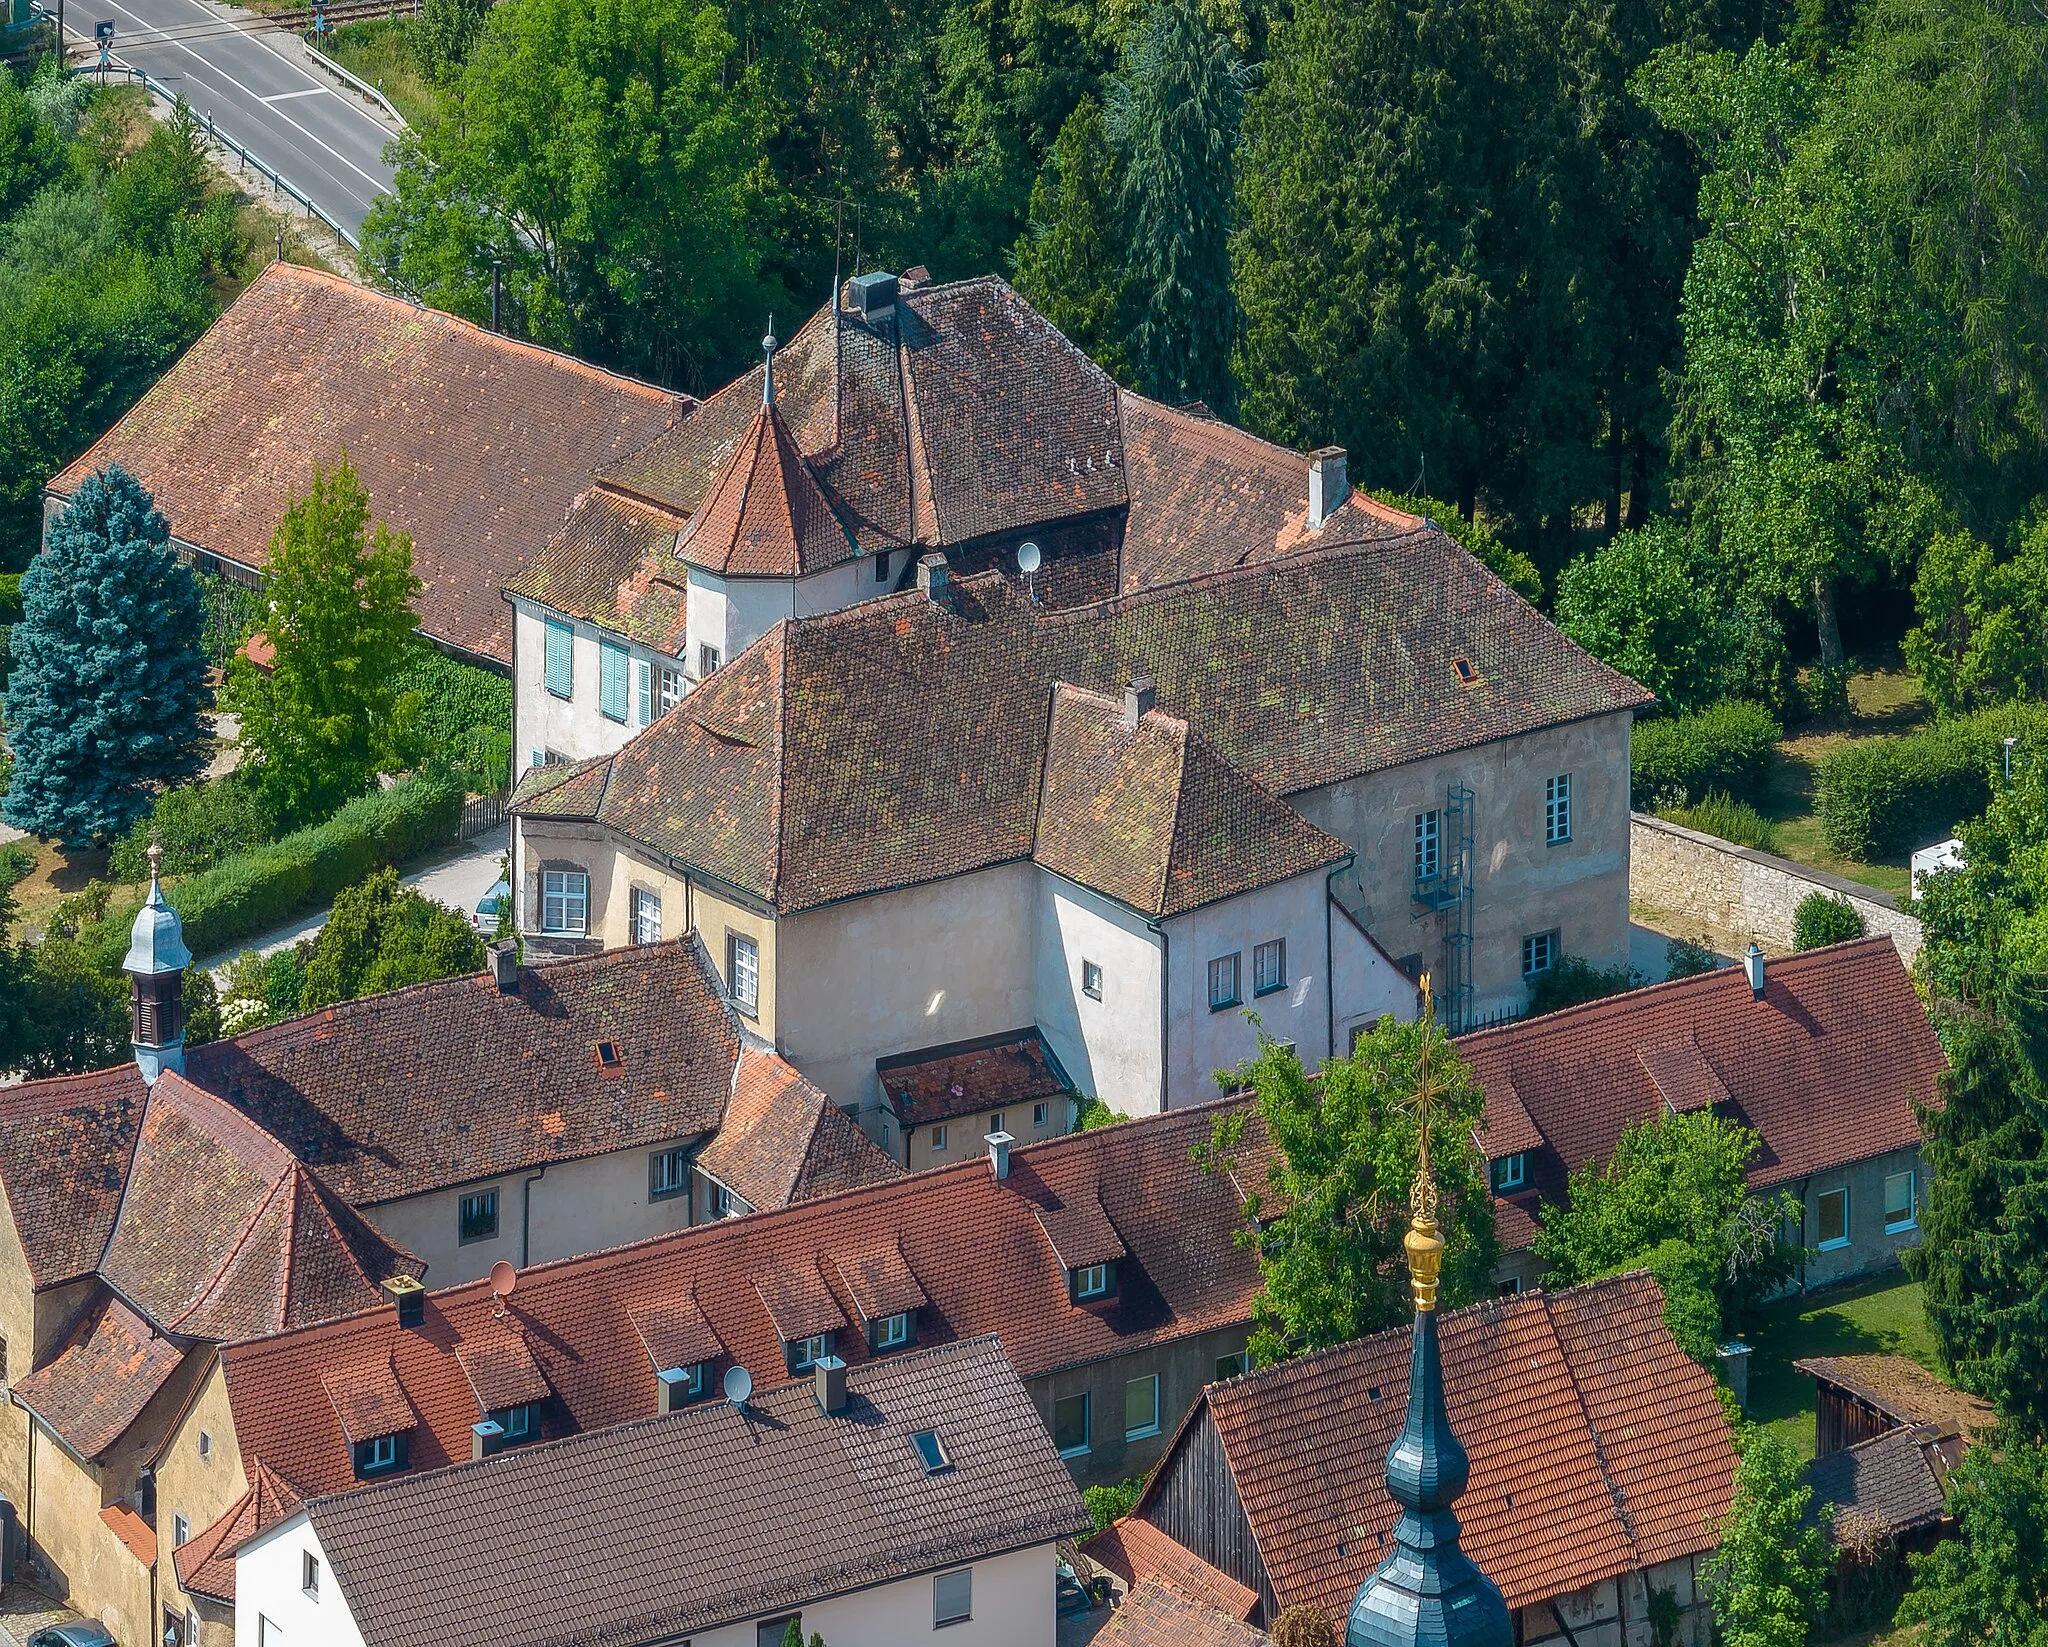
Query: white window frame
1151	1427
643	692
1511	1172
383	1452
1539	953
710	659
1091	980
644	931
717	1202
517	1422
672	688
1041	1115
1557	810
461	1216
1269	967
181	1529
1912	1218
205	1447
806	1353
565	893
1091	1281
938	1140
963	1606
892	1331
1428	845
995	1122
1838	1242
743	971
267	1632
668	1173
309	1574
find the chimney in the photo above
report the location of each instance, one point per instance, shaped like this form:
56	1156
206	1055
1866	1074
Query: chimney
1138	698
1327	487
1753	966
409	1295
486	1436
934	580
830	1383
505	965
999	1152
873	297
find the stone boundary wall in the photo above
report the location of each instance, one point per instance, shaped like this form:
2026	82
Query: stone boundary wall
1735	892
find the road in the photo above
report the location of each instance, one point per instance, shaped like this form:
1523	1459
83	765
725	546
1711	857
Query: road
254	83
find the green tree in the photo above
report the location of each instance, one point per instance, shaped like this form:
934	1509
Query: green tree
603	157
1983	631
1674	1178
1988	1585
445	32
328	716
1824	918
1641	605
1173	116
1986	923
1327	1225
384	936
1983	1254
1768	1577
1072	260
1113	1501
109	679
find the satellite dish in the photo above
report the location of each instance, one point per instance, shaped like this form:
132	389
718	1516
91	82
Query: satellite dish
739	1384
504	1277
1028	557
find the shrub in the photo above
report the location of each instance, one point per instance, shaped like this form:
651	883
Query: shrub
1574	981
1825	918
198	826
1110	1503
245	895
1096	1114
231	612
465	717
1678	760
10	597
1730	819
384	936
1884	796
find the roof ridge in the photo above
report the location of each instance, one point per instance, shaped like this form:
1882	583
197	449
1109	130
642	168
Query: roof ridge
1615	1492
218	1278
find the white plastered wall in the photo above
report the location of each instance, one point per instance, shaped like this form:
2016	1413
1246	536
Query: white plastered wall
574	726
269	1572
1109	1047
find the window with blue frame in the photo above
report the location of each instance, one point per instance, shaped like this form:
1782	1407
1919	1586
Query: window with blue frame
560	672
614	669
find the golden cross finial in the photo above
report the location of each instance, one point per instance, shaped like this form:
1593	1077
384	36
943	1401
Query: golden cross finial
1424	1246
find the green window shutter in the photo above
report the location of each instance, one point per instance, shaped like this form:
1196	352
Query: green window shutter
561	668
613	663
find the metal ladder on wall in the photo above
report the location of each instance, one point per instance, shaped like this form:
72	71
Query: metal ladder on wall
1457	829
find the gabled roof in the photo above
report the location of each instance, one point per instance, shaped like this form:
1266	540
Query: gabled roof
470	443
904	740
966	1077
707	1517
1157	1613
1827	1067
1903	1391
1153	817
111	1363
224	1234
1598	1447
1139	1553
65	1147
444	1082
783	1140
972	1243
1893	1483
206	1561
764	515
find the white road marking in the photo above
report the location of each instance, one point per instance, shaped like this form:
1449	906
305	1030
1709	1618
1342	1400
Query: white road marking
286	97
247	92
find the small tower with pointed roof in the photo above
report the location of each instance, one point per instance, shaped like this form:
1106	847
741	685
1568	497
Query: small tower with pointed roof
1428	1592
157	958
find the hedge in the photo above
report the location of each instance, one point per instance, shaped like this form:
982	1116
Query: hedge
1882	797
1678	760
249	894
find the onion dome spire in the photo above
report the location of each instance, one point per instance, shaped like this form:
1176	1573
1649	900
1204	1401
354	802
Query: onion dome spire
1427	1593
156	962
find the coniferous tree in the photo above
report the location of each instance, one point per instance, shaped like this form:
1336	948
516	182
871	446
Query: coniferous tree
1072	261
330	716
1173	115
109	675
1988	1586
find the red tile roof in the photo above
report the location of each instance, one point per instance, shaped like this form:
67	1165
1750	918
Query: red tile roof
972	1243
1157	1613
470	443
676	1334
781	776
1597	1447
501	1369
783	1140
110	1365
450	1081
764	516
206	1562
968	1077
369	1402
135	1533
1139	1553
65	1147
1826	1067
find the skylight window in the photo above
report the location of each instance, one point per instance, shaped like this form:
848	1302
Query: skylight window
1467	675
932	1452
608	1057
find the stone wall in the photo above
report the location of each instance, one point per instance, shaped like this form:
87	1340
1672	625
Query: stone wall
1737	895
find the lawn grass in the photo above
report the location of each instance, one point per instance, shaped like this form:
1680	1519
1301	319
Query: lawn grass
379	52
1881	1315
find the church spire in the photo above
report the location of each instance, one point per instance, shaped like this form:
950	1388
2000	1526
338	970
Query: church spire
768	347
1427	1593
156	962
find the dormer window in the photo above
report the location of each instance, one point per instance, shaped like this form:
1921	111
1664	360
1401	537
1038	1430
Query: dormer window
518	1423
380	1455
682	1385
892	1332
1092	1281
1510	1172
806	1353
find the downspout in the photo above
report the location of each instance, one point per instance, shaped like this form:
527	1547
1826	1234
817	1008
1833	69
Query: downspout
526	1212
1330	957
1165	1016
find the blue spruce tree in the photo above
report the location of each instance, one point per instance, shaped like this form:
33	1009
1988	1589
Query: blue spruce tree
1174	108
109	676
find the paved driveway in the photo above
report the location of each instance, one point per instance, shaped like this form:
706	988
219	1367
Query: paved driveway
255	85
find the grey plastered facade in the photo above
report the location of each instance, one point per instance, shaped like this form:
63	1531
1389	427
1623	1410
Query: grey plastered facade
1182	1366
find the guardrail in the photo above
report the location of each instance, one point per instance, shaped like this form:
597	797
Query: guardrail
356	83
158	89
